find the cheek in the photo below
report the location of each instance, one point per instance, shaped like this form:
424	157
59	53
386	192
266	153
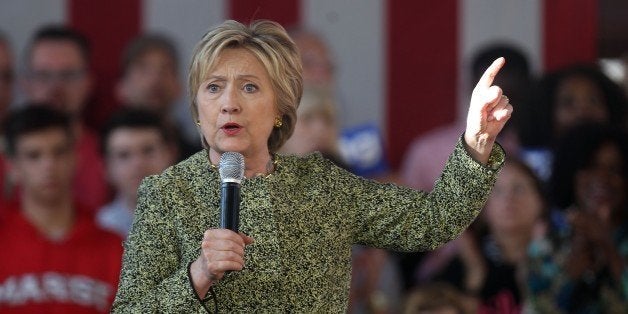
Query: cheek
68	170
119	170
534	207
564	116
493	208
598	113
66	164
206	111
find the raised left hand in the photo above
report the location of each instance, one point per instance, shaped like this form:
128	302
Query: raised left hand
489	111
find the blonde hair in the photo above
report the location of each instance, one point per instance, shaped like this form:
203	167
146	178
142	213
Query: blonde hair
272	46
318	100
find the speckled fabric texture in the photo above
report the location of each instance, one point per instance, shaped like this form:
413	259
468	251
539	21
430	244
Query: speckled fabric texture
304	219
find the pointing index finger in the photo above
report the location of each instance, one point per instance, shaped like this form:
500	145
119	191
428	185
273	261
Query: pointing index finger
489	75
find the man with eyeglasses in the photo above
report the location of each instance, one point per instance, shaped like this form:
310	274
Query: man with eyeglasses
58	73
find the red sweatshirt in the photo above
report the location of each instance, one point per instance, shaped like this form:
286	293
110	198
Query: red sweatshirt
78	274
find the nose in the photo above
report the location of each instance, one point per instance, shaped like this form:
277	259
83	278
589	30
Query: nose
230	103
137	160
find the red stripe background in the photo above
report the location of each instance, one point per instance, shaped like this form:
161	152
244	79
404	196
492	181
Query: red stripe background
570	32
109	25
421	70
285	12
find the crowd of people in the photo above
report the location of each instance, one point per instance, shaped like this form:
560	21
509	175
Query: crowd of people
69	190
552	237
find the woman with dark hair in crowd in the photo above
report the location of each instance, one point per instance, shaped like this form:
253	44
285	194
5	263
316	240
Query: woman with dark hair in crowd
487	261
561	100
579	266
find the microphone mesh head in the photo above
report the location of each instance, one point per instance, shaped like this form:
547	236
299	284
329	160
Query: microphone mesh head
231	167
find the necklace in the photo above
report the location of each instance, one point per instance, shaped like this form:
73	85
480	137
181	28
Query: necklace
271	166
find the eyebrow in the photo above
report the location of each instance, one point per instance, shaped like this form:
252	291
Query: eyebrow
239	77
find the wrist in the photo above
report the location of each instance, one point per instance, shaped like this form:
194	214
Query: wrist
200	282
478	146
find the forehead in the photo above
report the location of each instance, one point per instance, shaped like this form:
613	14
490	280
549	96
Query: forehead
154	55
236	59
310	42
133	135
47	52
579	83
42	139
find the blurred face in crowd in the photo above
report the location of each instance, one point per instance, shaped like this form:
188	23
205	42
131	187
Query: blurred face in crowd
600	187
578	99
6	79
134	153
317	65
58	75
236	105
151	81
43	164
314	131
515	204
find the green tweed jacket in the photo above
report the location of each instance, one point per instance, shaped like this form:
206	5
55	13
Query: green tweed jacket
304	218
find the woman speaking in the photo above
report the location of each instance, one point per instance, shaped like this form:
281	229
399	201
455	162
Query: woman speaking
299	216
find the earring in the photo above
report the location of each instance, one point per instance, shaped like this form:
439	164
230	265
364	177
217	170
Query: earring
198	123
278	122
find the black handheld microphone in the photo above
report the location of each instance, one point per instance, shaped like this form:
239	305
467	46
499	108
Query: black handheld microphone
231	169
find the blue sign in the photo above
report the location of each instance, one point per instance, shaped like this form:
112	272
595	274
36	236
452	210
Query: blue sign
362	147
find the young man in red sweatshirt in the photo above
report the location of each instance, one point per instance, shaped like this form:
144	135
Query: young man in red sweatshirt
54	259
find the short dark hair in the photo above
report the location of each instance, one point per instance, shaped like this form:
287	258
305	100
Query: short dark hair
132	118
144	43
516	61
61	33
30	118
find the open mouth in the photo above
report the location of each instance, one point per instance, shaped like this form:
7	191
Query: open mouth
231	128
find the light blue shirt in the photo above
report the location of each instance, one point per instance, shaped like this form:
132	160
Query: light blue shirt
116	217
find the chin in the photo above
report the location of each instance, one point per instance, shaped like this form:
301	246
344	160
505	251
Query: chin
231	147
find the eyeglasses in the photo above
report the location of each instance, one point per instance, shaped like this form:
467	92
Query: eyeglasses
64	76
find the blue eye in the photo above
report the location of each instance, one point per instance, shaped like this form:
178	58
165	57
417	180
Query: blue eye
213	88
250	88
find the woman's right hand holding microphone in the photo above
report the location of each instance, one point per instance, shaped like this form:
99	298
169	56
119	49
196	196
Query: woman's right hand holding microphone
222	250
